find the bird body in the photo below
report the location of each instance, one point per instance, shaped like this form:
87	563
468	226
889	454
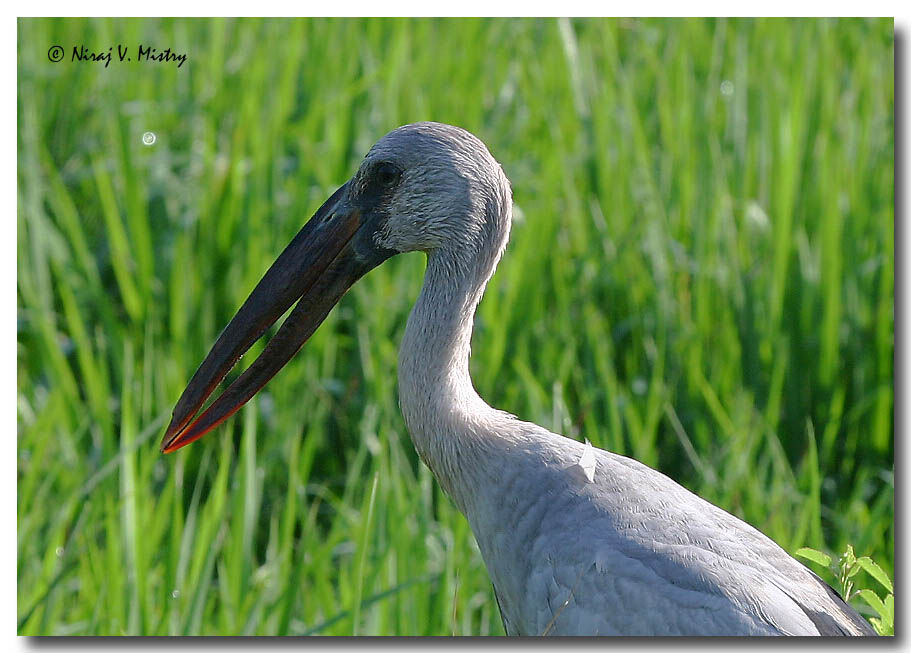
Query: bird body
577	540
630	552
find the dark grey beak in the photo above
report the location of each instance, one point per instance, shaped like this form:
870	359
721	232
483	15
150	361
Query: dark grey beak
333	250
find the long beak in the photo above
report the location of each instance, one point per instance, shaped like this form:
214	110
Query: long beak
332	251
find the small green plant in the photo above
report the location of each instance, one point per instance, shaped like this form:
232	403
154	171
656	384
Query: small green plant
845	569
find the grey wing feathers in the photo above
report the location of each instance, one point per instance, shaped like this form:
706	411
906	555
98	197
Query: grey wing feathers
506	625
828	624
654	559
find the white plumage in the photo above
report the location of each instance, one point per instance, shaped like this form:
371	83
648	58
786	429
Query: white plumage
577	540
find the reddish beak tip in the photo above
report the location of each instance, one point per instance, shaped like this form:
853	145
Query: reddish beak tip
180	435
167	444
171	434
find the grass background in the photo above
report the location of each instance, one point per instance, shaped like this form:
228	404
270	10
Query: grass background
700	276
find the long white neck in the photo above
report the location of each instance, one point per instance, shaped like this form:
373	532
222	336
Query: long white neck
453	429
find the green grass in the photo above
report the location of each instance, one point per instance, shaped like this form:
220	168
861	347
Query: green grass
700	276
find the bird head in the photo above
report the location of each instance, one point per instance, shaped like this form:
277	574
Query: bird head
441	188
423	187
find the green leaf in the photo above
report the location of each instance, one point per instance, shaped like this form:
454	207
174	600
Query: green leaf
876	571
847	558
816	556
874	602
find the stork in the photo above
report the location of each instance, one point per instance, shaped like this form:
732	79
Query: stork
577	540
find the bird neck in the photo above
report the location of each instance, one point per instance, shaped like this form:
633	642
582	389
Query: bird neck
447	419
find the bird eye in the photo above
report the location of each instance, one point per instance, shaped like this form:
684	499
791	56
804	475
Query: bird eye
387	174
